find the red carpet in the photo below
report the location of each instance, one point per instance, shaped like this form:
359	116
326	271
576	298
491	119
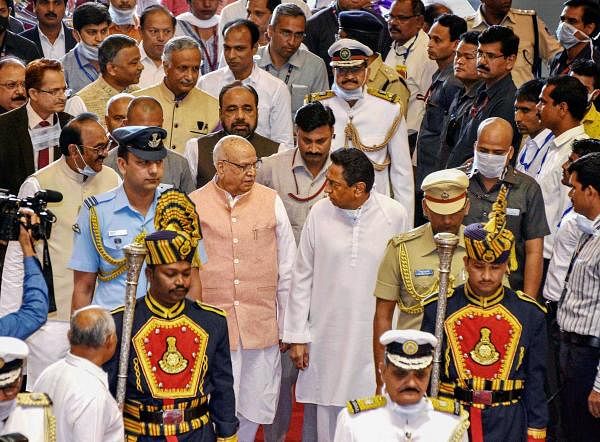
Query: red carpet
295	432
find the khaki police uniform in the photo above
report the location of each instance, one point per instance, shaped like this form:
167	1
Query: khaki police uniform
521	22
409	270
385	78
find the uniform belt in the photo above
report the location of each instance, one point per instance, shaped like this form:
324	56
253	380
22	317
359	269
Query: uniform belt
174	416
583	340
487	397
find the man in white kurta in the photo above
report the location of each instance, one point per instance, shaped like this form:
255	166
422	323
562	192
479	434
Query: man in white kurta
84	408
372	121
78	174
329	316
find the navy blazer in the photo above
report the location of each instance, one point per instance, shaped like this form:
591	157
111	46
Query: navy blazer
34	36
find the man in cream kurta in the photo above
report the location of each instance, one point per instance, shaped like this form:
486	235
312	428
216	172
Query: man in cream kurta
65	175
329	316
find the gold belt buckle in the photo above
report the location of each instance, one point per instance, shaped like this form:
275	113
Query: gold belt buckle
483	397
172	417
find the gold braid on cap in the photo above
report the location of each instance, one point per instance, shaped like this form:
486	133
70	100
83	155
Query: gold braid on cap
492	242
177	230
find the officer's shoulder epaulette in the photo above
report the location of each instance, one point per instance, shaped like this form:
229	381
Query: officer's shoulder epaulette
210	308
117	310
525	297
446	405
523	11
392	98
365	404
318	96
407	236
33	400
389	72
94	200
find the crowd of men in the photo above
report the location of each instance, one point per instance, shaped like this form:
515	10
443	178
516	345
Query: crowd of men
287	171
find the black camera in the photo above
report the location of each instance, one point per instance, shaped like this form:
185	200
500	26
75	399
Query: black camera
9	214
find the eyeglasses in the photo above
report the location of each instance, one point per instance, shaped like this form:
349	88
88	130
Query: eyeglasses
350	70
12	85
489	55
101	148
61	91
246	167
400	18
289	35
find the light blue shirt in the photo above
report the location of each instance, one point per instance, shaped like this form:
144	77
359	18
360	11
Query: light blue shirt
119	225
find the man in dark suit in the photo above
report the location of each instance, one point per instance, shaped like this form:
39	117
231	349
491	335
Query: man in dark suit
52	37
29	134
238	112
321	30
13	44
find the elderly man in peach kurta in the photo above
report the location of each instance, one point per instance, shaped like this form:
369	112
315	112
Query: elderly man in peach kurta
251	248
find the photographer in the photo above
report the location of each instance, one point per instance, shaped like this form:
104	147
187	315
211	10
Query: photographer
34	309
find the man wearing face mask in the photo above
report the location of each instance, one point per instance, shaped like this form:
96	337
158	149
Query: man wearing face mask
90	28
78	173
588	73
525	215
369	120
579	23
124	19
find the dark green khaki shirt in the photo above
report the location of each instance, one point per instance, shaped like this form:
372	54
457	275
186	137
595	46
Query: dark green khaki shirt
525	214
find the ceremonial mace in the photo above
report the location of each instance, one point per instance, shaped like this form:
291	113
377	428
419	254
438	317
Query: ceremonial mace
446	244
134	259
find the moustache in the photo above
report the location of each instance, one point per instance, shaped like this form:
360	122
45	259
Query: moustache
394	28
240	123
19	98
50	15
409	389
483	67
313	154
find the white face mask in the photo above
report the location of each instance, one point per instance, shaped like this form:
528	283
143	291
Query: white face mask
89	52
121	17
565	33
347	95
489	165
87	170
586	225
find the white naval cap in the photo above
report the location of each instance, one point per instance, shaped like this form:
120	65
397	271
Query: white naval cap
409	349
13	352
347	53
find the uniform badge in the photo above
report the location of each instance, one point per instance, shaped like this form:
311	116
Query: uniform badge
484	352
345	54
424	272
154	140
76	229
445	195
410	348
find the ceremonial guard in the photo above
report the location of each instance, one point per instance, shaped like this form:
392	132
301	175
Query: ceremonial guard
179	385
494	340
26	414
369	120
111	220
409	270
403	412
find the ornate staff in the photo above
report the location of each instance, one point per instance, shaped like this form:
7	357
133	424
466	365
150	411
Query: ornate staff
446	244
134	258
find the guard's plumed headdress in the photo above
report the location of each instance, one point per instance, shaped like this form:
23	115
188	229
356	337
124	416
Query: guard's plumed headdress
492	242
177	230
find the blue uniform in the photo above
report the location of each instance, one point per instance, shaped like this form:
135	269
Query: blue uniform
493	362
118	225
34	310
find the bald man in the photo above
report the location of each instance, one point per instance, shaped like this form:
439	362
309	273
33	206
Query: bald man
84	408
12	85
147	111
250	279
526	216
116	111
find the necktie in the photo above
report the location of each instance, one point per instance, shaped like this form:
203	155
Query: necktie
44	154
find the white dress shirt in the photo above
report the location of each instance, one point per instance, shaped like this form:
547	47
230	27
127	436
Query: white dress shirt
55	50
152	74
331	305
565	240
84	408
419	70
534	153
556	194
274	101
